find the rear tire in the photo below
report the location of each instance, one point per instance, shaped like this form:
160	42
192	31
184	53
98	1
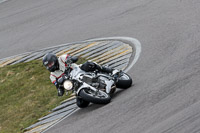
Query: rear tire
124	82
101	98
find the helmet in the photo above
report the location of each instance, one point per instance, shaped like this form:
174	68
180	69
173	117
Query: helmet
50	61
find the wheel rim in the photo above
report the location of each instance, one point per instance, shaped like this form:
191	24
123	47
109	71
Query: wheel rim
124	77
99	94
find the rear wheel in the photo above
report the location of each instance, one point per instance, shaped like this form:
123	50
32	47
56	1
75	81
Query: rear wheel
124	81
99	97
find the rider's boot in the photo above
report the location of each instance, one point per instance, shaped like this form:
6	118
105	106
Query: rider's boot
106	69
109	70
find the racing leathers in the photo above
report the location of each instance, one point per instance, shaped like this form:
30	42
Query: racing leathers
54	76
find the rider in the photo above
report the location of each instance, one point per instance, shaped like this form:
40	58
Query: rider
56	65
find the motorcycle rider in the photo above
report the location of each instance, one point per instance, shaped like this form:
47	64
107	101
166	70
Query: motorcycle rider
56	65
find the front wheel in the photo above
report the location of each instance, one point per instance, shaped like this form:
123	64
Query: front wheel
81	103
99	97
124	81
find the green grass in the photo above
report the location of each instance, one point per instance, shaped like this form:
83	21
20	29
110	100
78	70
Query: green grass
26	94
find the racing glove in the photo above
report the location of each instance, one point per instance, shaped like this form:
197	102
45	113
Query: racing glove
60	91
72	59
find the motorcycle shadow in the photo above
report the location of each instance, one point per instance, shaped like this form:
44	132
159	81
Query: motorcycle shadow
92	107
117	93
97	106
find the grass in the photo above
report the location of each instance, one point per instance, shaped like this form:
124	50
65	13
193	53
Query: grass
26	94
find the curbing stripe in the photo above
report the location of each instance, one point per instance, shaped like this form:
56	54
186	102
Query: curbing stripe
115	56
120	62
120	66
111	61
104	50
10	61
65	50
71	107
60	120
84	48
102	46
27	58
42	127
64	105
111	54
90	49
57	117
80	46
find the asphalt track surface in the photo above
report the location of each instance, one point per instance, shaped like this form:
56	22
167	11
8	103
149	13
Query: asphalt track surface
165	97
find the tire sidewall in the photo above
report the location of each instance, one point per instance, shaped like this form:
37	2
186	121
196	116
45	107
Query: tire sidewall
124	84
81	103
92	99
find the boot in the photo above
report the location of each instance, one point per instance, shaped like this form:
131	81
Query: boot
104	69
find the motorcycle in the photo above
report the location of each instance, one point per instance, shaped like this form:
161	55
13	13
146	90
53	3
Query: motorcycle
92	87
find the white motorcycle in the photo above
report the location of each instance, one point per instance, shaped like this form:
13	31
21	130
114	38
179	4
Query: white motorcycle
94	87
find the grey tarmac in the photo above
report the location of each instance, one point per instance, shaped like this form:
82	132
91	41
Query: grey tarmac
165	95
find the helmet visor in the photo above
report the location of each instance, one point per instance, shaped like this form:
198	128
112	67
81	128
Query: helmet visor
49	65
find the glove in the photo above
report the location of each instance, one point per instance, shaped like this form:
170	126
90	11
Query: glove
60	91
72	59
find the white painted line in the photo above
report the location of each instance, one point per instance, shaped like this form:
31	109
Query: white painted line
132	41
60	120
1	1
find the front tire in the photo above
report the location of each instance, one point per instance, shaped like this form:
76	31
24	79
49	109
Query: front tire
124	81
81	103
90	96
